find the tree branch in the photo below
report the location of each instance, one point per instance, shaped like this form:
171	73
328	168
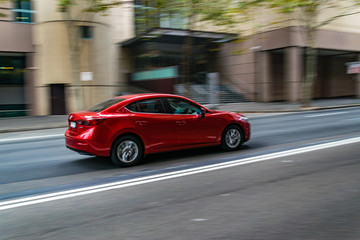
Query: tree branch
329	20
104	6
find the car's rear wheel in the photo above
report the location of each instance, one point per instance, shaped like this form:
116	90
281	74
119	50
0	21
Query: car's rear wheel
232	138
127	151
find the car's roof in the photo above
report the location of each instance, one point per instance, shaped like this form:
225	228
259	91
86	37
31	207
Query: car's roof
136	97
146	95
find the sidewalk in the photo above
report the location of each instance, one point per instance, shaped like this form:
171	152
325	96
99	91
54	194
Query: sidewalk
17	124
256	107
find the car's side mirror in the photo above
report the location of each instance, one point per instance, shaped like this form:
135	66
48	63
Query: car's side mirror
202	113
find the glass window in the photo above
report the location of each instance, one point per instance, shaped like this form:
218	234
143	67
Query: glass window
22	11
12	70
153	105
86	32
23	17
179	106
133	107
146	15
104	105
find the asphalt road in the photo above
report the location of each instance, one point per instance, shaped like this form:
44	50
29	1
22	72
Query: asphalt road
298	178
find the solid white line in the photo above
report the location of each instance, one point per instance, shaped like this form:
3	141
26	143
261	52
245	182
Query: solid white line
165	176
9	140
325	114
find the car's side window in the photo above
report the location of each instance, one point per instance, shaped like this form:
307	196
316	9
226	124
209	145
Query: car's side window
180	106
153	105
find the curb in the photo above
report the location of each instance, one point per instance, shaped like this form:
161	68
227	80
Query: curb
290	110
25	129
300	109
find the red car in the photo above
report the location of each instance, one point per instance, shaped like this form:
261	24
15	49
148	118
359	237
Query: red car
128	127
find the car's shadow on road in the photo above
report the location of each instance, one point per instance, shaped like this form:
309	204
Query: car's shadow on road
93	163
189	155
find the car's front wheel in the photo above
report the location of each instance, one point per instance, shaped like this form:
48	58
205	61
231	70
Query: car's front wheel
232	138
127	151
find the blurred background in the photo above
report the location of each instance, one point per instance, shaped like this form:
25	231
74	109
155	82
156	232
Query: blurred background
60	56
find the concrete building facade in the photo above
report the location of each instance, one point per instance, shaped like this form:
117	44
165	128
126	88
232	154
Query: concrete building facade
272	68
16	58
54	62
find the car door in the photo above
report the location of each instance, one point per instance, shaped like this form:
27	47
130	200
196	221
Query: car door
191	127
155	125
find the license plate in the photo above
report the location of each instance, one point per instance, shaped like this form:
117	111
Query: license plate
73	124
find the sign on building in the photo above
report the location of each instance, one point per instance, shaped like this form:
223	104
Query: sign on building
353	67
86	76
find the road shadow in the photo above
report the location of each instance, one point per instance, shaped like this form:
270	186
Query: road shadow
94	163
188	154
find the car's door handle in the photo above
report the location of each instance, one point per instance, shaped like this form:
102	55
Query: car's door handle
180	123
141	123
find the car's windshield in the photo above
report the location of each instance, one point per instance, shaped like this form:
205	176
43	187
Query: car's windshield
104	105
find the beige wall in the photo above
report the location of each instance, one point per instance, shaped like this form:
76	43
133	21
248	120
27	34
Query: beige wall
55	63
15	37
236	62
5	9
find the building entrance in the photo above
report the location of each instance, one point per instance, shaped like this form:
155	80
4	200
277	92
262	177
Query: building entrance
57	94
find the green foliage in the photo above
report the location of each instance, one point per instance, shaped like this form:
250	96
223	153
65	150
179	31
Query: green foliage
3	14
92	6
63	5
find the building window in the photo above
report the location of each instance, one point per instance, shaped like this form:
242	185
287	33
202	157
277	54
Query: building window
22	11
86	32
12	85
146	15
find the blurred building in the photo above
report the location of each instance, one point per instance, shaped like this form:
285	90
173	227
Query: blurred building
54	62
272	64
265	65
16	58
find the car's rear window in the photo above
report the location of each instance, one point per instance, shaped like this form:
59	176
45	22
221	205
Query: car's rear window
104	105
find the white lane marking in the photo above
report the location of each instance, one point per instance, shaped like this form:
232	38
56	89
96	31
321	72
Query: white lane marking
199	219
325	114
165	176
9	140
353	119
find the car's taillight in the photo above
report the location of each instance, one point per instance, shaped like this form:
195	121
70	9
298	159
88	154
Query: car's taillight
90	122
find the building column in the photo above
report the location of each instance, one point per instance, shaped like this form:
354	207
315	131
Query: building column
358	81
29	84
264	81
293	74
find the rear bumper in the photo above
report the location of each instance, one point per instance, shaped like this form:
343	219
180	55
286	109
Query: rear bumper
80	151
83	146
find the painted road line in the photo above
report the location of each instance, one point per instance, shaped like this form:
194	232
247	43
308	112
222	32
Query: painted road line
165	176
18	139
325	114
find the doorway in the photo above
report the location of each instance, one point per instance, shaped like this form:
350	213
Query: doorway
57	93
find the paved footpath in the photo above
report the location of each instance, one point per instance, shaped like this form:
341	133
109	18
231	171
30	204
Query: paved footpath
30	123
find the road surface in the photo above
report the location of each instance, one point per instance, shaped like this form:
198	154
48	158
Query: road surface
298	178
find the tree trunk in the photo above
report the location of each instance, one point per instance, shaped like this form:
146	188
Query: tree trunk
74	49
186	64
310	69
188	53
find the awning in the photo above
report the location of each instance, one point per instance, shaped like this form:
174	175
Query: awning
176	36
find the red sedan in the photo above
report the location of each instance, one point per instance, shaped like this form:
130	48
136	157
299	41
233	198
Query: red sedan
128	127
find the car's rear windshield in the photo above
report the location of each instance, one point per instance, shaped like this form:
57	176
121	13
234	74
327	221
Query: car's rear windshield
104	105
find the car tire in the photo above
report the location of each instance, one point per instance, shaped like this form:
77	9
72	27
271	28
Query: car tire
127	151
232	138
